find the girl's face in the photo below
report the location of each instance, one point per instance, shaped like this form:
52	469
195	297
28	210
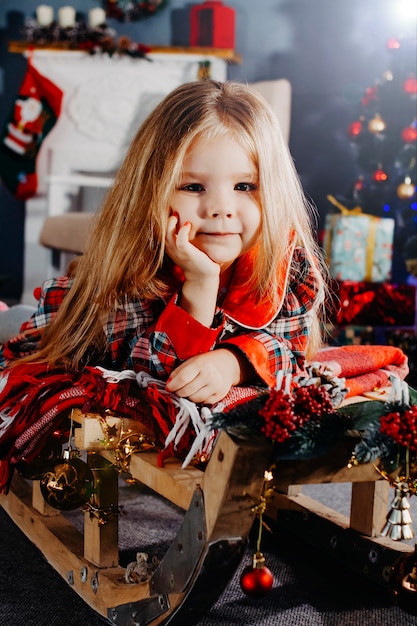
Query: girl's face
218	194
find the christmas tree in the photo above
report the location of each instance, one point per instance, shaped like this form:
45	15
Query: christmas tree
384	139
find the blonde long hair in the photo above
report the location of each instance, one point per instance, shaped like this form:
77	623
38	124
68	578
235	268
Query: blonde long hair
126	251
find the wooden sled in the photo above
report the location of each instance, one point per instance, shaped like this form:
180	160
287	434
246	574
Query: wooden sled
204	555
219	513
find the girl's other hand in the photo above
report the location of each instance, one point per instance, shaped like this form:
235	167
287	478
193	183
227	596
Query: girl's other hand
206	378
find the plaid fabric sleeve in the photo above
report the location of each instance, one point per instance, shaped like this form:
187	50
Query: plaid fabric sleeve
173	338
27	341
281	346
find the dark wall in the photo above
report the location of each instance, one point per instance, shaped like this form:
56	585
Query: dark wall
330	50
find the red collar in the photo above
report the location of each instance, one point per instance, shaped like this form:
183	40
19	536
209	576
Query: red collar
242	306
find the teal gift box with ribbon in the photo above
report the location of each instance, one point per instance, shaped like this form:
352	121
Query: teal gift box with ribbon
358	246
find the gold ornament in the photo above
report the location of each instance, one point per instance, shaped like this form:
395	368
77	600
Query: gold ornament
68	483
376	125
406	190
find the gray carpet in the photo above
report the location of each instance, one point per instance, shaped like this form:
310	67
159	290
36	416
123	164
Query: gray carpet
310	588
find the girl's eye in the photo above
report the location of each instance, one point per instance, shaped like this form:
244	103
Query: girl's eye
245	187
195	187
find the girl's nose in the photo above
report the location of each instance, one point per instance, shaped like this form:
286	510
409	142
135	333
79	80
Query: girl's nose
220	205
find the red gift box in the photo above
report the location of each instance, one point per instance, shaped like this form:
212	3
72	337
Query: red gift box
376	304
212	25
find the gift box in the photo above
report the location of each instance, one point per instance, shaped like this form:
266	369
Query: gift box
359	247
373	304
213	25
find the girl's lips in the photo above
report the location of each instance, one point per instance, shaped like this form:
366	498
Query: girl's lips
216	234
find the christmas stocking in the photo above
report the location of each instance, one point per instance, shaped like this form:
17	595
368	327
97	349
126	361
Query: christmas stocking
35	112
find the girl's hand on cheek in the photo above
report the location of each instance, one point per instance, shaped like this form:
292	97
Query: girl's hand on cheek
189	258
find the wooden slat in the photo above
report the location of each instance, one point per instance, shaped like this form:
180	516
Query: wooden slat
233	483
90	435
101	537
172	482
369	507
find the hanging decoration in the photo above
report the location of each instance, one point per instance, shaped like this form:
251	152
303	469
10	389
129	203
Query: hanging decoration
35	112
68	482
256	580
376	124
406	190
355	128
380	175
133	10
399	522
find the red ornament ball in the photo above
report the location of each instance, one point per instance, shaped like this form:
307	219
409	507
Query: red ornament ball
371	93
379	176
410	85
359	185
256	580
355	128
409	134
393	44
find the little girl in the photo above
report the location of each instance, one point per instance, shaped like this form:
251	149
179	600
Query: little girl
201	270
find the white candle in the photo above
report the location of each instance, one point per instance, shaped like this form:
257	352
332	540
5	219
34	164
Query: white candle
44	15
96	17
66	17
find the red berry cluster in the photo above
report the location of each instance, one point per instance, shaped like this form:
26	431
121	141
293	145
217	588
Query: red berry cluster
402	428
280	419
283	413
312	402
